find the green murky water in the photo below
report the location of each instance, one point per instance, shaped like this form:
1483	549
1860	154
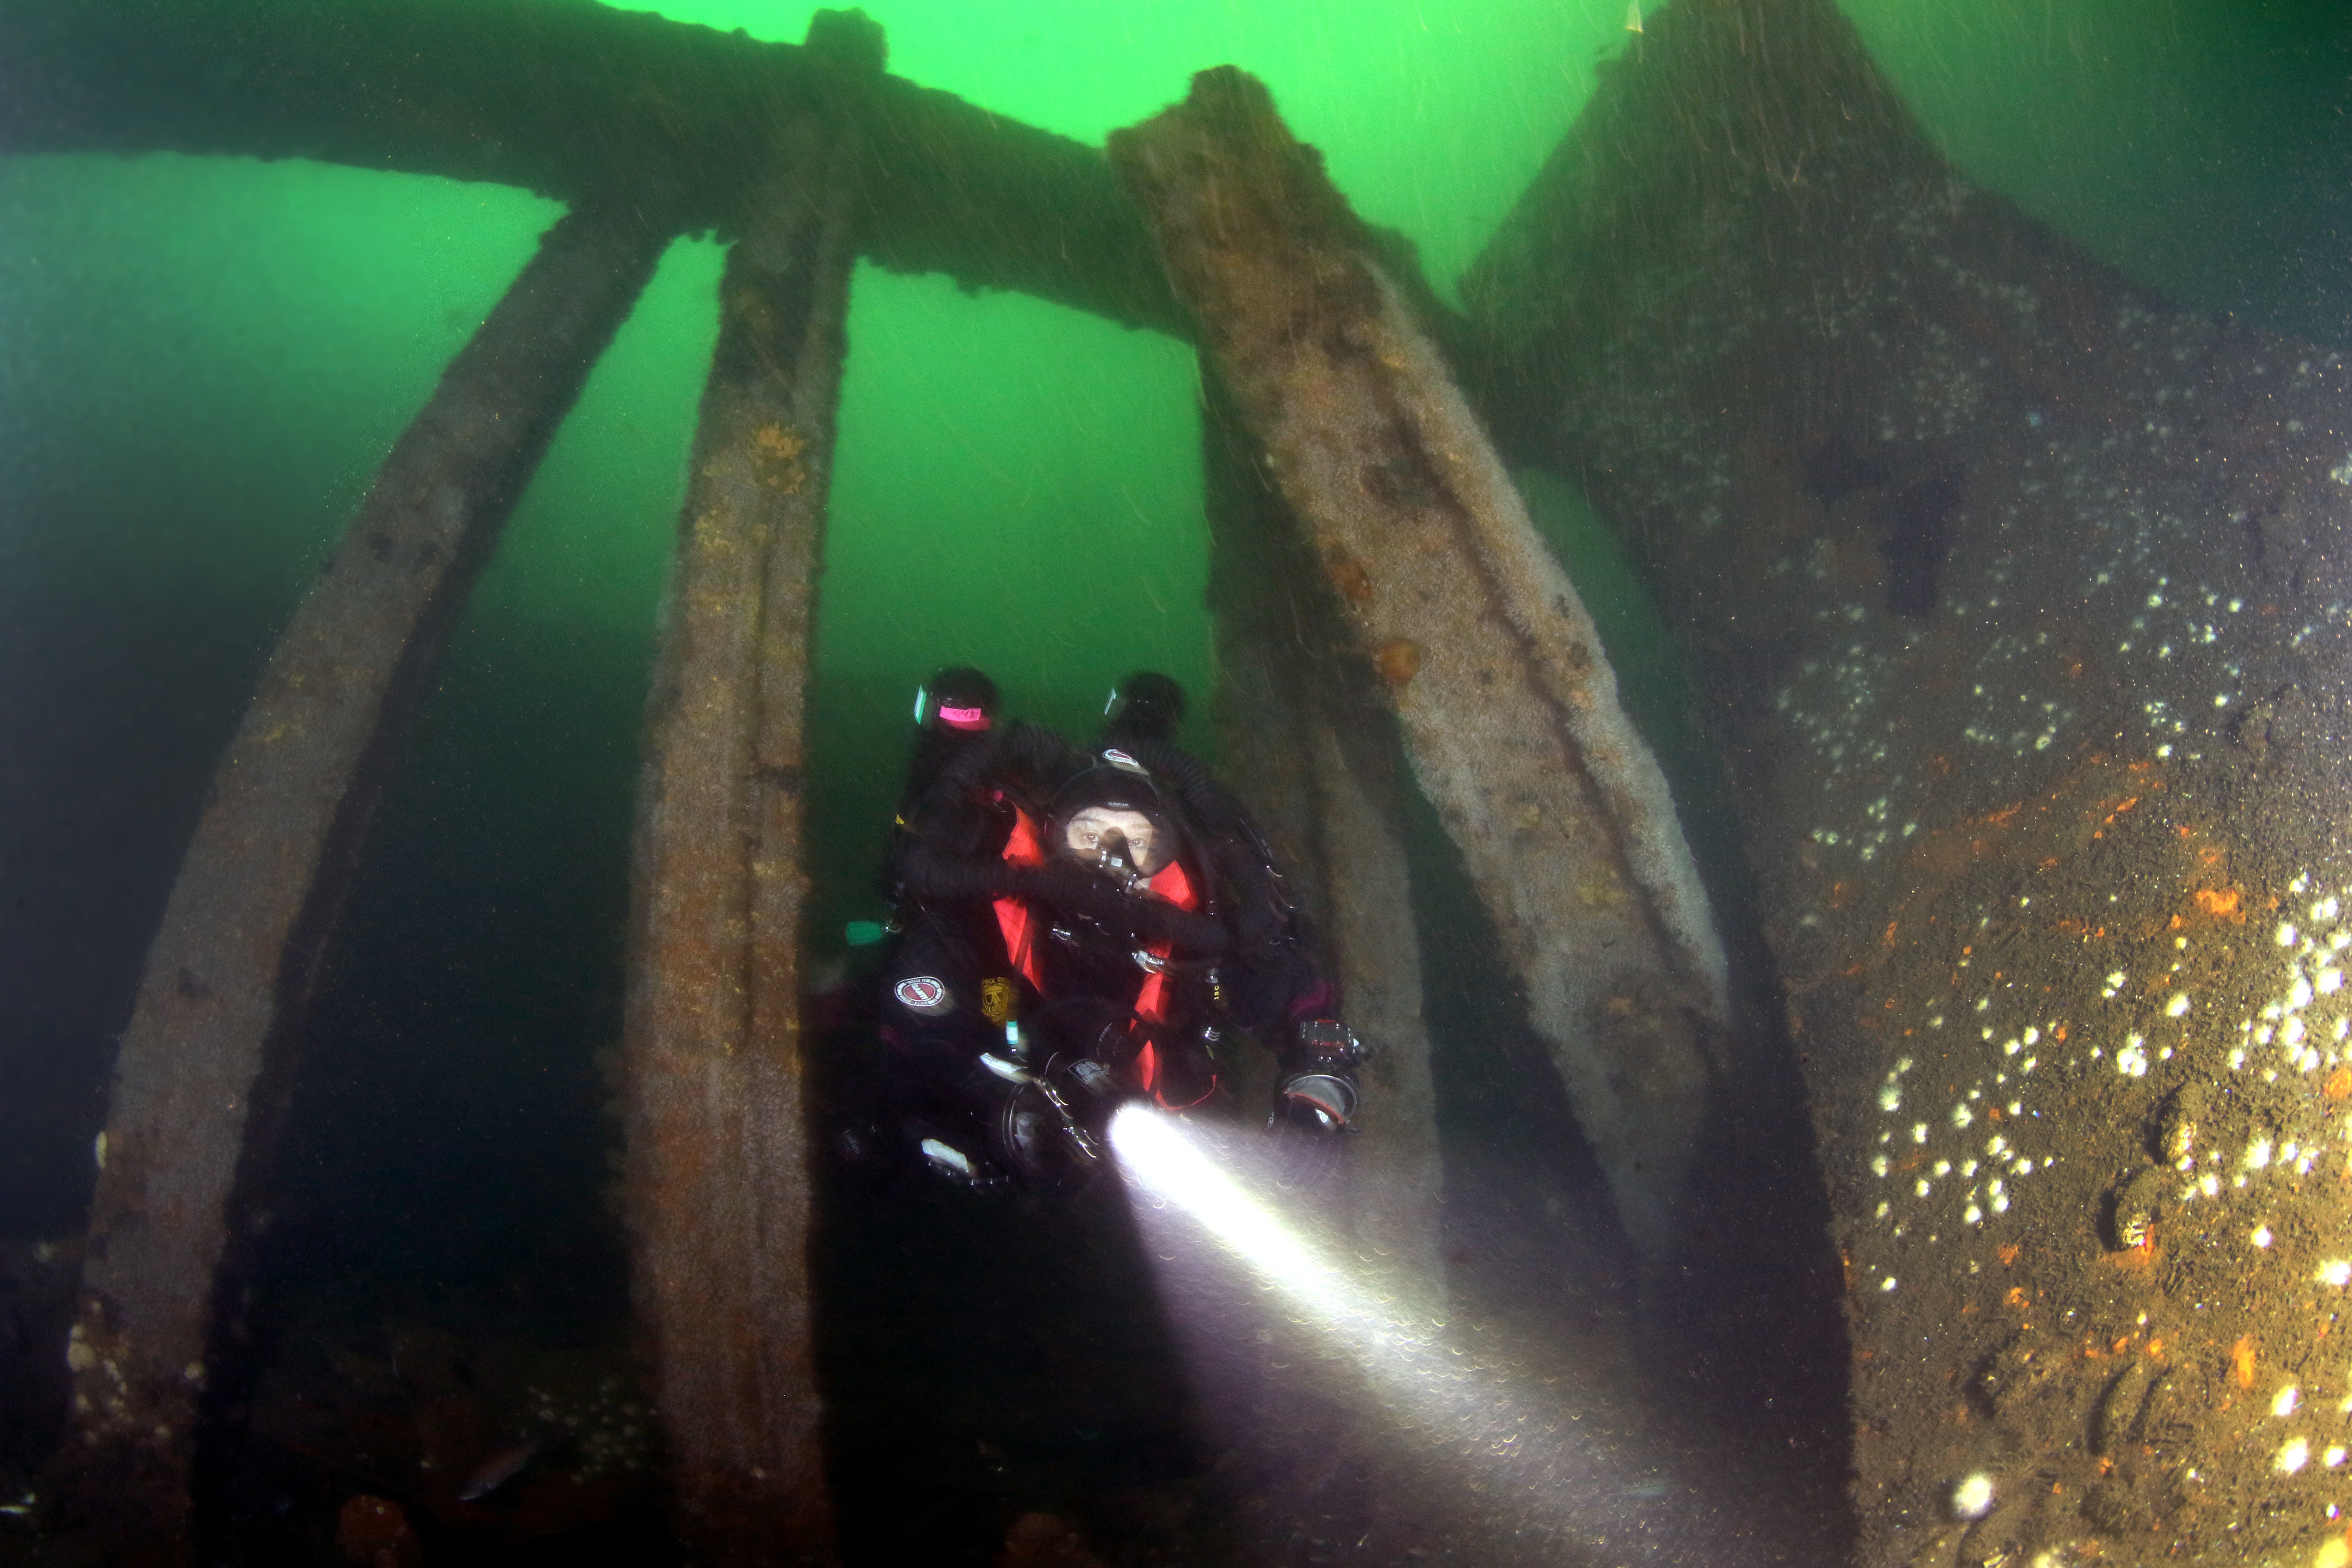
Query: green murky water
202	363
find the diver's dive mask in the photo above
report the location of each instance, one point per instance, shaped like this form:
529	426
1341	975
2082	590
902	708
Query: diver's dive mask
1118	839
1110	817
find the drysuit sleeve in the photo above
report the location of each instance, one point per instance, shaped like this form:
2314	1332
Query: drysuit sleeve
1262	915
953	847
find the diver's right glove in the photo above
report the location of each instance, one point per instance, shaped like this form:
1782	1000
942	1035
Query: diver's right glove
1133	916
1318	1092
1076	890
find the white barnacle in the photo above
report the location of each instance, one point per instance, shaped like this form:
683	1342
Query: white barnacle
2178	1006
2286	934
1890	1099
2336	1271
1972	1498
2293	1456
2262	1236
2283	1404
1961	1115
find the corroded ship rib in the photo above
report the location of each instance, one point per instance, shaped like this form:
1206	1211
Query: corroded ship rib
1506	702
718	1155
204	1065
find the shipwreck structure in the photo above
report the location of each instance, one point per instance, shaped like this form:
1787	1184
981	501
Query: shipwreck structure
2018	597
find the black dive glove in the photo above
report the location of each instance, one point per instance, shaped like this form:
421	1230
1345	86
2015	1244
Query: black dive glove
1076	891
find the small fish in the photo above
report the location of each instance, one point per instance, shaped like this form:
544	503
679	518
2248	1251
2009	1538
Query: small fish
495	1471
1632	16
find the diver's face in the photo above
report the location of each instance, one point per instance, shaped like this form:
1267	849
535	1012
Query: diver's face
1089	828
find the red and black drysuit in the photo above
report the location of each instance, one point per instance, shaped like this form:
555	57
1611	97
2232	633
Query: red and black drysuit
996	927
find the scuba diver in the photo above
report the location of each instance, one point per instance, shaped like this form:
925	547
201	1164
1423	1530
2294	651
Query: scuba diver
954	712
1080	928
1146	706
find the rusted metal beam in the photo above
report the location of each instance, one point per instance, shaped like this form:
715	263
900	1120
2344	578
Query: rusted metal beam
570	101
718	1157
1313	749
204	1063
1508	705
2023	600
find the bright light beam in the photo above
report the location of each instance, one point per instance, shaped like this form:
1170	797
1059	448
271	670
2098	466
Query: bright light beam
1563	1482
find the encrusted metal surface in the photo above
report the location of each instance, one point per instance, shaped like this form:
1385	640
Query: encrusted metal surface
2021	597
204	1063
718	1159
1508	705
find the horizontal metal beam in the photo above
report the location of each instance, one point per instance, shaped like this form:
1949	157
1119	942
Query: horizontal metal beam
576	101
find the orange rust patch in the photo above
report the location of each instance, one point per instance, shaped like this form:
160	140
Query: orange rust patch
1355	583
2242	1361
2339	1084
2221	903
2007	1254
2016	1297
1398	661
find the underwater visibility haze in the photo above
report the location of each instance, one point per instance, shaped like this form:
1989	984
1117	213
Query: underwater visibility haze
1775	572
